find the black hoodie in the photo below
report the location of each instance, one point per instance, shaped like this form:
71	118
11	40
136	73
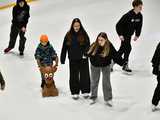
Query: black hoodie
130	23
20	14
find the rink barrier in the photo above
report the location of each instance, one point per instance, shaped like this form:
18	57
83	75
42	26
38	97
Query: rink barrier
12	4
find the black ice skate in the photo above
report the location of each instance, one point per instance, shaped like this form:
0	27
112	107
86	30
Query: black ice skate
21	53
126	68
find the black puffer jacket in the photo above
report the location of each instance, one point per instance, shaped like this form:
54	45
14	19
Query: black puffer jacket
20	15
156	60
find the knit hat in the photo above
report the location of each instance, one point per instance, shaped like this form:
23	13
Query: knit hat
18	1
44	38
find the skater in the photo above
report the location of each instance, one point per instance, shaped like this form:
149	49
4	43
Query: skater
156	71
101	52
45	56
20	15
2	82
76	42
129	24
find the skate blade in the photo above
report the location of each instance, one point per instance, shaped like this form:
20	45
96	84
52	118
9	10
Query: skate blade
127	73
93	102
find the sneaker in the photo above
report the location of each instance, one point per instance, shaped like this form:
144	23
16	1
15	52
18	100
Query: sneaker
75	96
7	50
155	108
21	53
85	95
109	103
126	68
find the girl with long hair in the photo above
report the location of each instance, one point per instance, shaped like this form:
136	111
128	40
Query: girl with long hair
76	42
101	52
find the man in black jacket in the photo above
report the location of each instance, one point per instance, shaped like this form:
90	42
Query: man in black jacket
20	16
129	24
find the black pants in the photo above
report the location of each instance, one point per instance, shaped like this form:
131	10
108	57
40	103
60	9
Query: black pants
13	36
2	82
42	80
125	48
1	78
156	95
79	77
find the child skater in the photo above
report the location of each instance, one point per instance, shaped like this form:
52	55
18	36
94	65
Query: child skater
45	55
20	18
76	42
156	71
101	52
129	24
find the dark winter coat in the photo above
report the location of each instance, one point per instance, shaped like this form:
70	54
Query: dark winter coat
20	15
75	50
130	23
156	60
46	54
98	61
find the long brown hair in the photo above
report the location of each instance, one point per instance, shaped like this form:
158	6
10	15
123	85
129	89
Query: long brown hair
94	47
82	34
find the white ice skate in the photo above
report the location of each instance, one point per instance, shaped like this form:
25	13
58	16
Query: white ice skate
85	95
75	96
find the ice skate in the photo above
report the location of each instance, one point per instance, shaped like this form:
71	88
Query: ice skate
75	96
155	108
93	100
7	50
85	95
109	103
126	68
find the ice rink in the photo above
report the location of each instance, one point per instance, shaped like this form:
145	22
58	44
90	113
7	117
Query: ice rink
22	98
